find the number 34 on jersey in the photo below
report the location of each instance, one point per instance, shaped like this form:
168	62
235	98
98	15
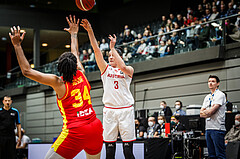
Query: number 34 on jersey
79	97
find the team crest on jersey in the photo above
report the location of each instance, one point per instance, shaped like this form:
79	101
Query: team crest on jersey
12	114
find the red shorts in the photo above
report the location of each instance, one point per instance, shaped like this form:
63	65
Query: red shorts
72	141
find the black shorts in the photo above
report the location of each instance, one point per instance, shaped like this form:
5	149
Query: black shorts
7	147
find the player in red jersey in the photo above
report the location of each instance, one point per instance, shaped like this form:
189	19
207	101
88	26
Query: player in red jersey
81	129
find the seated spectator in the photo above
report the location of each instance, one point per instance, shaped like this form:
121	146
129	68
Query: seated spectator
234	132
189	11
236	30
141	47
191	38
230	29
223	11
170	24
174	38
170	48
168	29
172	18
207	14
152	127
91	55
200	12
231	10
148	27
104	46
105	55
126	54
185	21
164	21
119	39
215	14
161	129
164	109
90	64
163	28
191	19
161	48
140	129
176	26
136	44
229	105
203	35
128	37
176	125
146	34
180	20
161	37
85	56
216	34
179	111
208	6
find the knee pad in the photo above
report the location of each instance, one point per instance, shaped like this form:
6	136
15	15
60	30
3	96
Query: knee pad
128	150
110	150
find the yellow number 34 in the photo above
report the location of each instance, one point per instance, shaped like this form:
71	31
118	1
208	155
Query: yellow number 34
78	97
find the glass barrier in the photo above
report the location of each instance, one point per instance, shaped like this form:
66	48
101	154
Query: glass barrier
199	35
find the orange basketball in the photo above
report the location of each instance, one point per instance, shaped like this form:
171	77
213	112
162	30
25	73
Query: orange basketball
85	5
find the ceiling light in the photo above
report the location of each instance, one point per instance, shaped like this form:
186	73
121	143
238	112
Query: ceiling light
4	38
49	2
44	44
32	65
67	46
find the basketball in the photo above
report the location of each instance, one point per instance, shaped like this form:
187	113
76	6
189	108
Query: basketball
85	5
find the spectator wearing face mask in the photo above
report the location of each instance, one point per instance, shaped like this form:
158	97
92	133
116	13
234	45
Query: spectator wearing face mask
234	132
161	128
152	127
164	109
178	106
176	125
140	129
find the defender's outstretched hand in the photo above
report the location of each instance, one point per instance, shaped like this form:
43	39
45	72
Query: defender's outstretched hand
112	40
15	36
86	25
73	25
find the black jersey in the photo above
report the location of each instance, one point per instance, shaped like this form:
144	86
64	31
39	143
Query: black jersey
8	120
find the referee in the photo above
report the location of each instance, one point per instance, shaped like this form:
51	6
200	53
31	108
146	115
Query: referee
9	118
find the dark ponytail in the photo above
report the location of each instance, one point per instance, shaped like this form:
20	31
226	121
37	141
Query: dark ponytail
67	66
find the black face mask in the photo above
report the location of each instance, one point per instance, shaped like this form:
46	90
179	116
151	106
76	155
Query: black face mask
136	125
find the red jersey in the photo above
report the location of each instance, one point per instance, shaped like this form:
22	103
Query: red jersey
76	106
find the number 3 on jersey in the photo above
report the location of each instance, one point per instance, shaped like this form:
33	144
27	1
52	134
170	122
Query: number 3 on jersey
116	84
78	97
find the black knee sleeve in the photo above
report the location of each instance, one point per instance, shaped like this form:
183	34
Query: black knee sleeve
110	150
128	150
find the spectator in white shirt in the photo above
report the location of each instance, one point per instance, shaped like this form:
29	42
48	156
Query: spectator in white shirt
104	46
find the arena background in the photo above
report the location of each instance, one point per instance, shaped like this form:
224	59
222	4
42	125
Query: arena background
178	77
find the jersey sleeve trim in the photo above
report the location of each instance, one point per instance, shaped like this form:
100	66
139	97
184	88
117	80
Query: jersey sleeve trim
104	70
18	119
66	93
89	86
